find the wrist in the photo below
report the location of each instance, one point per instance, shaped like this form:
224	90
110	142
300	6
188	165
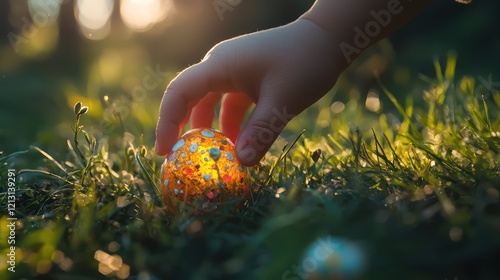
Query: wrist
327	43
358	24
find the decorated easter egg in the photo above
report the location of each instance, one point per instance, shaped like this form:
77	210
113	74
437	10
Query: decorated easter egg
202	172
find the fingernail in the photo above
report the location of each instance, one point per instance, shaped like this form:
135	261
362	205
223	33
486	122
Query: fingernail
247	155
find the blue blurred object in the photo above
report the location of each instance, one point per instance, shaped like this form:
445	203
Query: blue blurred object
333	258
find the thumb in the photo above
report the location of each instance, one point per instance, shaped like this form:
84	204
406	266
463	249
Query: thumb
263	127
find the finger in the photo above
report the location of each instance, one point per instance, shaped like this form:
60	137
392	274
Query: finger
266	122
182	94
203	112
233	110
186	118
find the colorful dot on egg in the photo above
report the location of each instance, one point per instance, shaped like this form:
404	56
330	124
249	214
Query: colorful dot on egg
202	151
214	153
176	191
189	171
165	182
210	195
206	177
229	156
197	166
240	168
194	147
183	155
226	178
178	145
208	133
205	159
224	142
214	166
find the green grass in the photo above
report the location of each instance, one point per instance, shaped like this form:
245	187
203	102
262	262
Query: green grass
419	193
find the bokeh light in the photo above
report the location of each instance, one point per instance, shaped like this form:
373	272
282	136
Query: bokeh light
93	17
142	15
372	102
44	11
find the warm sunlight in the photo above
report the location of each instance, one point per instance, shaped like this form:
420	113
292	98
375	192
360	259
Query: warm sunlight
142	15
240	139
93	17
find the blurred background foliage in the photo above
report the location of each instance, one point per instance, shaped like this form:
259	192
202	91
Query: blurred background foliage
117	57
56	52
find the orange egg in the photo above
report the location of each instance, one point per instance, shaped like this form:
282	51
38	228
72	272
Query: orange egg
202	172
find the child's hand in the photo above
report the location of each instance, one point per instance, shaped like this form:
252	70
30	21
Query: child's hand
282	70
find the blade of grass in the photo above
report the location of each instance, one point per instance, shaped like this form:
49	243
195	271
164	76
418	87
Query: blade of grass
281	157
147	176
50	158
48	173
398	106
